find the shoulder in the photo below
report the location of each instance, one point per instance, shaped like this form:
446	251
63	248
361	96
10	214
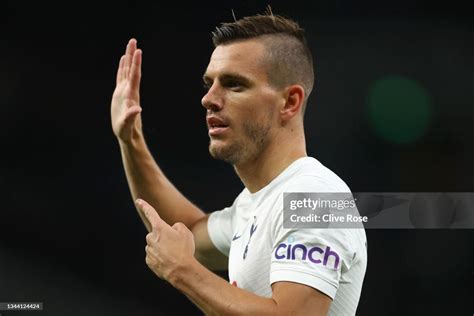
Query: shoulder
313	176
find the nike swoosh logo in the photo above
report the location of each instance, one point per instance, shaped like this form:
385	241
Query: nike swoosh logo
236	237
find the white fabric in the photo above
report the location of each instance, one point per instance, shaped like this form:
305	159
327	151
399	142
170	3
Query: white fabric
340	254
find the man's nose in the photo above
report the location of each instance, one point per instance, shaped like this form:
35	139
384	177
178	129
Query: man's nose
212	100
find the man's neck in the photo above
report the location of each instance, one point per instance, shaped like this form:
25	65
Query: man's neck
258	172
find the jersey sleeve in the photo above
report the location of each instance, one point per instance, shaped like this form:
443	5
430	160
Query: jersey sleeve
219	227
316	257
313	257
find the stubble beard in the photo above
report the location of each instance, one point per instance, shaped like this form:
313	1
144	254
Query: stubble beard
256	138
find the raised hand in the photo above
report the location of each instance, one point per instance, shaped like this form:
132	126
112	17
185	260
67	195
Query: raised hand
125	109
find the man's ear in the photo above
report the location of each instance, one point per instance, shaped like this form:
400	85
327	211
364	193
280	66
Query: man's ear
294	102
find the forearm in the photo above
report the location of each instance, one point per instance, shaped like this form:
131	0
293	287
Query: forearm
148	182
215	296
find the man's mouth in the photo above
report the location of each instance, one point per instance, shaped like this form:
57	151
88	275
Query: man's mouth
216	125
216	131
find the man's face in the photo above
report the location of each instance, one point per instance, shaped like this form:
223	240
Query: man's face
241	104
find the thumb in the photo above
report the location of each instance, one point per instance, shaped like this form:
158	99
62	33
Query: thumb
153	221
132	112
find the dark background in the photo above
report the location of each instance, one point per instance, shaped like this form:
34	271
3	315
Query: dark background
69	234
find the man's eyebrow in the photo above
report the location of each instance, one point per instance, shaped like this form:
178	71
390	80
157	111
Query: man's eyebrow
228	76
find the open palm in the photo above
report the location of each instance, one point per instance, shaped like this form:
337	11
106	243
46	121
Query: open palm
125	109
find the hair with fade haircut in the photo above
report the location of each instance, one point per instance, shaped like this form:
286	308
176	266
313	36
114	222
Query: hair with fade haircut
287	53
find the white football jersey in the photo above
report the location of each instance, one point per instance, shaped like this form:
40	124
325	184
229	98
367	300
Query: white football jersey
261	251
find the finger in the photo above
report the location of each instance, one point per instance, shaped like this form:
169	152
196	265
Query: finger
150	215
151	238
149	262
125	61
131	47
136	71
120	69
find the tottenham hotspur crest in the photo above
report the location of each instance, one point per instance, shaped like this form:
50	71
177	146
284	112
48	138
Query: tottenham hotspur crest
252	230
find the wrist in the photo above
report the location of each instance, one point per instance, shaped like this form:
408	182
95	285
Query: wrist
134	141
184	273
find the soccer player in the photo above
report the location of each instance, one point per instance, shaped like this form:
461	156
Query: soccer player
258	81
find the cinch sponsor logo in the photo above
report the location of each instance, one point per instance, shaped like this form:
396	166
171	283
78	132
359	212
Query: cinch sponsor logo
314	254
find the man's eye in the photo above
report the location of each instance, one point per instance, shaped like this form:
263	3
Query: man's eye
234	85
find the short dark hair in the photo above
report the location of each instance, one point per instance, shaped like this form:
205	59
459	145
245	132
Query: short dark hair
286	47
